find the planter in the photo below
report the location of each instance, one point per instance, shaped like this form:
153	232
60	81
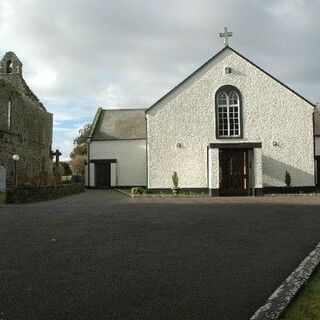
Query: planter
175	191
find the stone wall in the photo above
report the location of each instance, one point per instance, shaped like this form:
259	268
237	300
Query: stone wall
34	194
25	125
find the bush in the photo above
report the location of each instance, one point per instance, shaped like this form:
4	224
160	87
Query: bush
77	179
175	180
136	191
287	179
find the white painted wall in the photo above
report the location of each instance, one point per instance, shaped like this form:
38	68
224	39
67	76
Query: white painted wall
130	169
317	146
257	168
113	173
86	177
214	169
91	176
270	113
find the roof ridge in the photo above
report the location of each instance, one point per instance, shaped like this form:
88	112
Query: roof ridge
124	109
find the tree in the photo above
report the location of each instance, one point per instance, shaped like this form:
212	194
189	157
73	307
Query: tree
66	167
77	164
80	142
79	153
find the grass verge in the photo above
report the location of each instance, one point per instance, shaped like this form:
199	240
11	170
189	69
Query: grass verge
168	194
307	304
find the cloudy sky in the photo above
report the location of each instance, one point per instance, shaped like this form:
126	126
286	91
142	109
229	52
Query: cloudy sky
79	55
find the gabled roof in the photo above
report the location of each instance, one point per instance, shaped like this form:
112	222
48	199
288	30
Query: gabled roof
118	124
214	57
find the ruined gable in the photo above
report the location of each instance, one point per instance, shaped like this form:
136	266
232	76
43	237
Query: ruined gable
25	125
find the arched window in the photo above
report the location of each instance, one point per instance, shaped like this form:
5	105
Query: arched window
9	113
9	66
228	113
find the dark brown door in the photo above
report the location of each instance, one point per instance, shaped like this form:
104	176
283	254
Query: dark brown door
234	171
102	174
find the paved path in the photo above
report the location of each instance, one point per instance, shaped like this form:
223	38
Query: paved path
102	255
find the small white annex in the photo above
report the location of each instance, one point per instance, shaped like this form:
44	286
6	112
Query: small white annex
117	149
230	128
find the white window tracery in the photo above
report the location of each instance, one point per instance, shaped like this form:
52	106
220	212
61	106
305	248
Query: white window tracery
228	114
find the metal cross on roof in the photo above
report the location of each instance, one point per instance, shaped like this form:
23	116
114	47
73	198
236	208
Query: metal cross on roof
225	35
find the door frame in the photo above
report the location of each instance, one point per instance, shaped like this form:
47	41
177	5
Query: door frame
251	147
98	171
102	161
247	164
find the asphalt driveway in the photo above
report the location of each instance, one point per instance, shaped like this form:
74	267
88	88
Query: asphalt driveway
101	255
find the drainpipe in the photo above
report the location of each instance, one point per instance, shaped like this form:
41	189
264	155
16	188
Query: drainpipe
88	162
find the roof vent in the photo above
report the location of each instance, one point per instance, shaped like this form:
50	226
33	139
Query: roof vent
228	70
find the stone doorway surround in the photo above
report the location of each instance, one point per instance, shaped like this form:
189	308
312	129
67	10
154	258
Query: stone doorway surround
214	170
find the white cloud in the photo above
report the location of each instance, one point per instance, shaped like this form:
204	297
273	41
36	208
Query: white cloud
43	78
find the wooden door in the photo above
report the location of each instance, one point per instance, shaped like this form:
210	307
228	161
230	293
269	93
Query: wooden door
234	172
102	175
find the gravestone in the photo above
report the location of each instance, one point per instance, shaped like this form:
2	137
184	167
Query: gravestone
2	179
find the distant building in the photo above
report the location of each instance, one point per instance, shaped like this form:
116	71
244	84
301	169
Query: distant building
117	149
25	124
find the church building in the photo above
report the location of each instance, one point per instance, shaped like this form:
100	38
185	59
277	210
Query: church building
230	128
25	127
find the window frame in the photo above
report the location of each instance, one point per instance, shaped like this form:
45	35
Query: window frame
227	89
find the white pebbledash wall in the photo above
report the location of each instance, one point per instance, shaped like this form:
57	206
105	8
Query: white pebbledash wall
271	113
317	146
130	169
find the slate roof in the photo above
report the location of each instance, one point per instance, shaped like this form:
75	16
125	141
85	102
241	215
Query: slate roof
119	124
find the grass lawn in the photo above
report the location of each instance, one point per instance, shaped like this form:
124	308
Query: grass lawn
307	304
2	197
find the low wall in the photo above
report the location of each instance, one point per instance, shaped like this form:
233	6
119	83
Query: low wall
33	194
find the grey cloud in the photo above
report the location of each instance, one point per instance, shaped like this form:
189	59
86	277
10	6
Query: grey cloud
129	53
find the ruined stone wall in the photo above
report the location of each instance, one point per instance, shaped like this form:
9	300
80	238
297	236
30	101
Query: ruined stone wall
25	128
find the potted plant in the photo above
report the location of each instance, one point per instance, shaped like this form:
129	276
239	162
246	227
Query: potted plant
175	181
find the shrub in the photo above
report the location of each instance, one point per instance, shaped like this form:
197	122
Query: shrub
77	179
175	180
287	179
136	191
